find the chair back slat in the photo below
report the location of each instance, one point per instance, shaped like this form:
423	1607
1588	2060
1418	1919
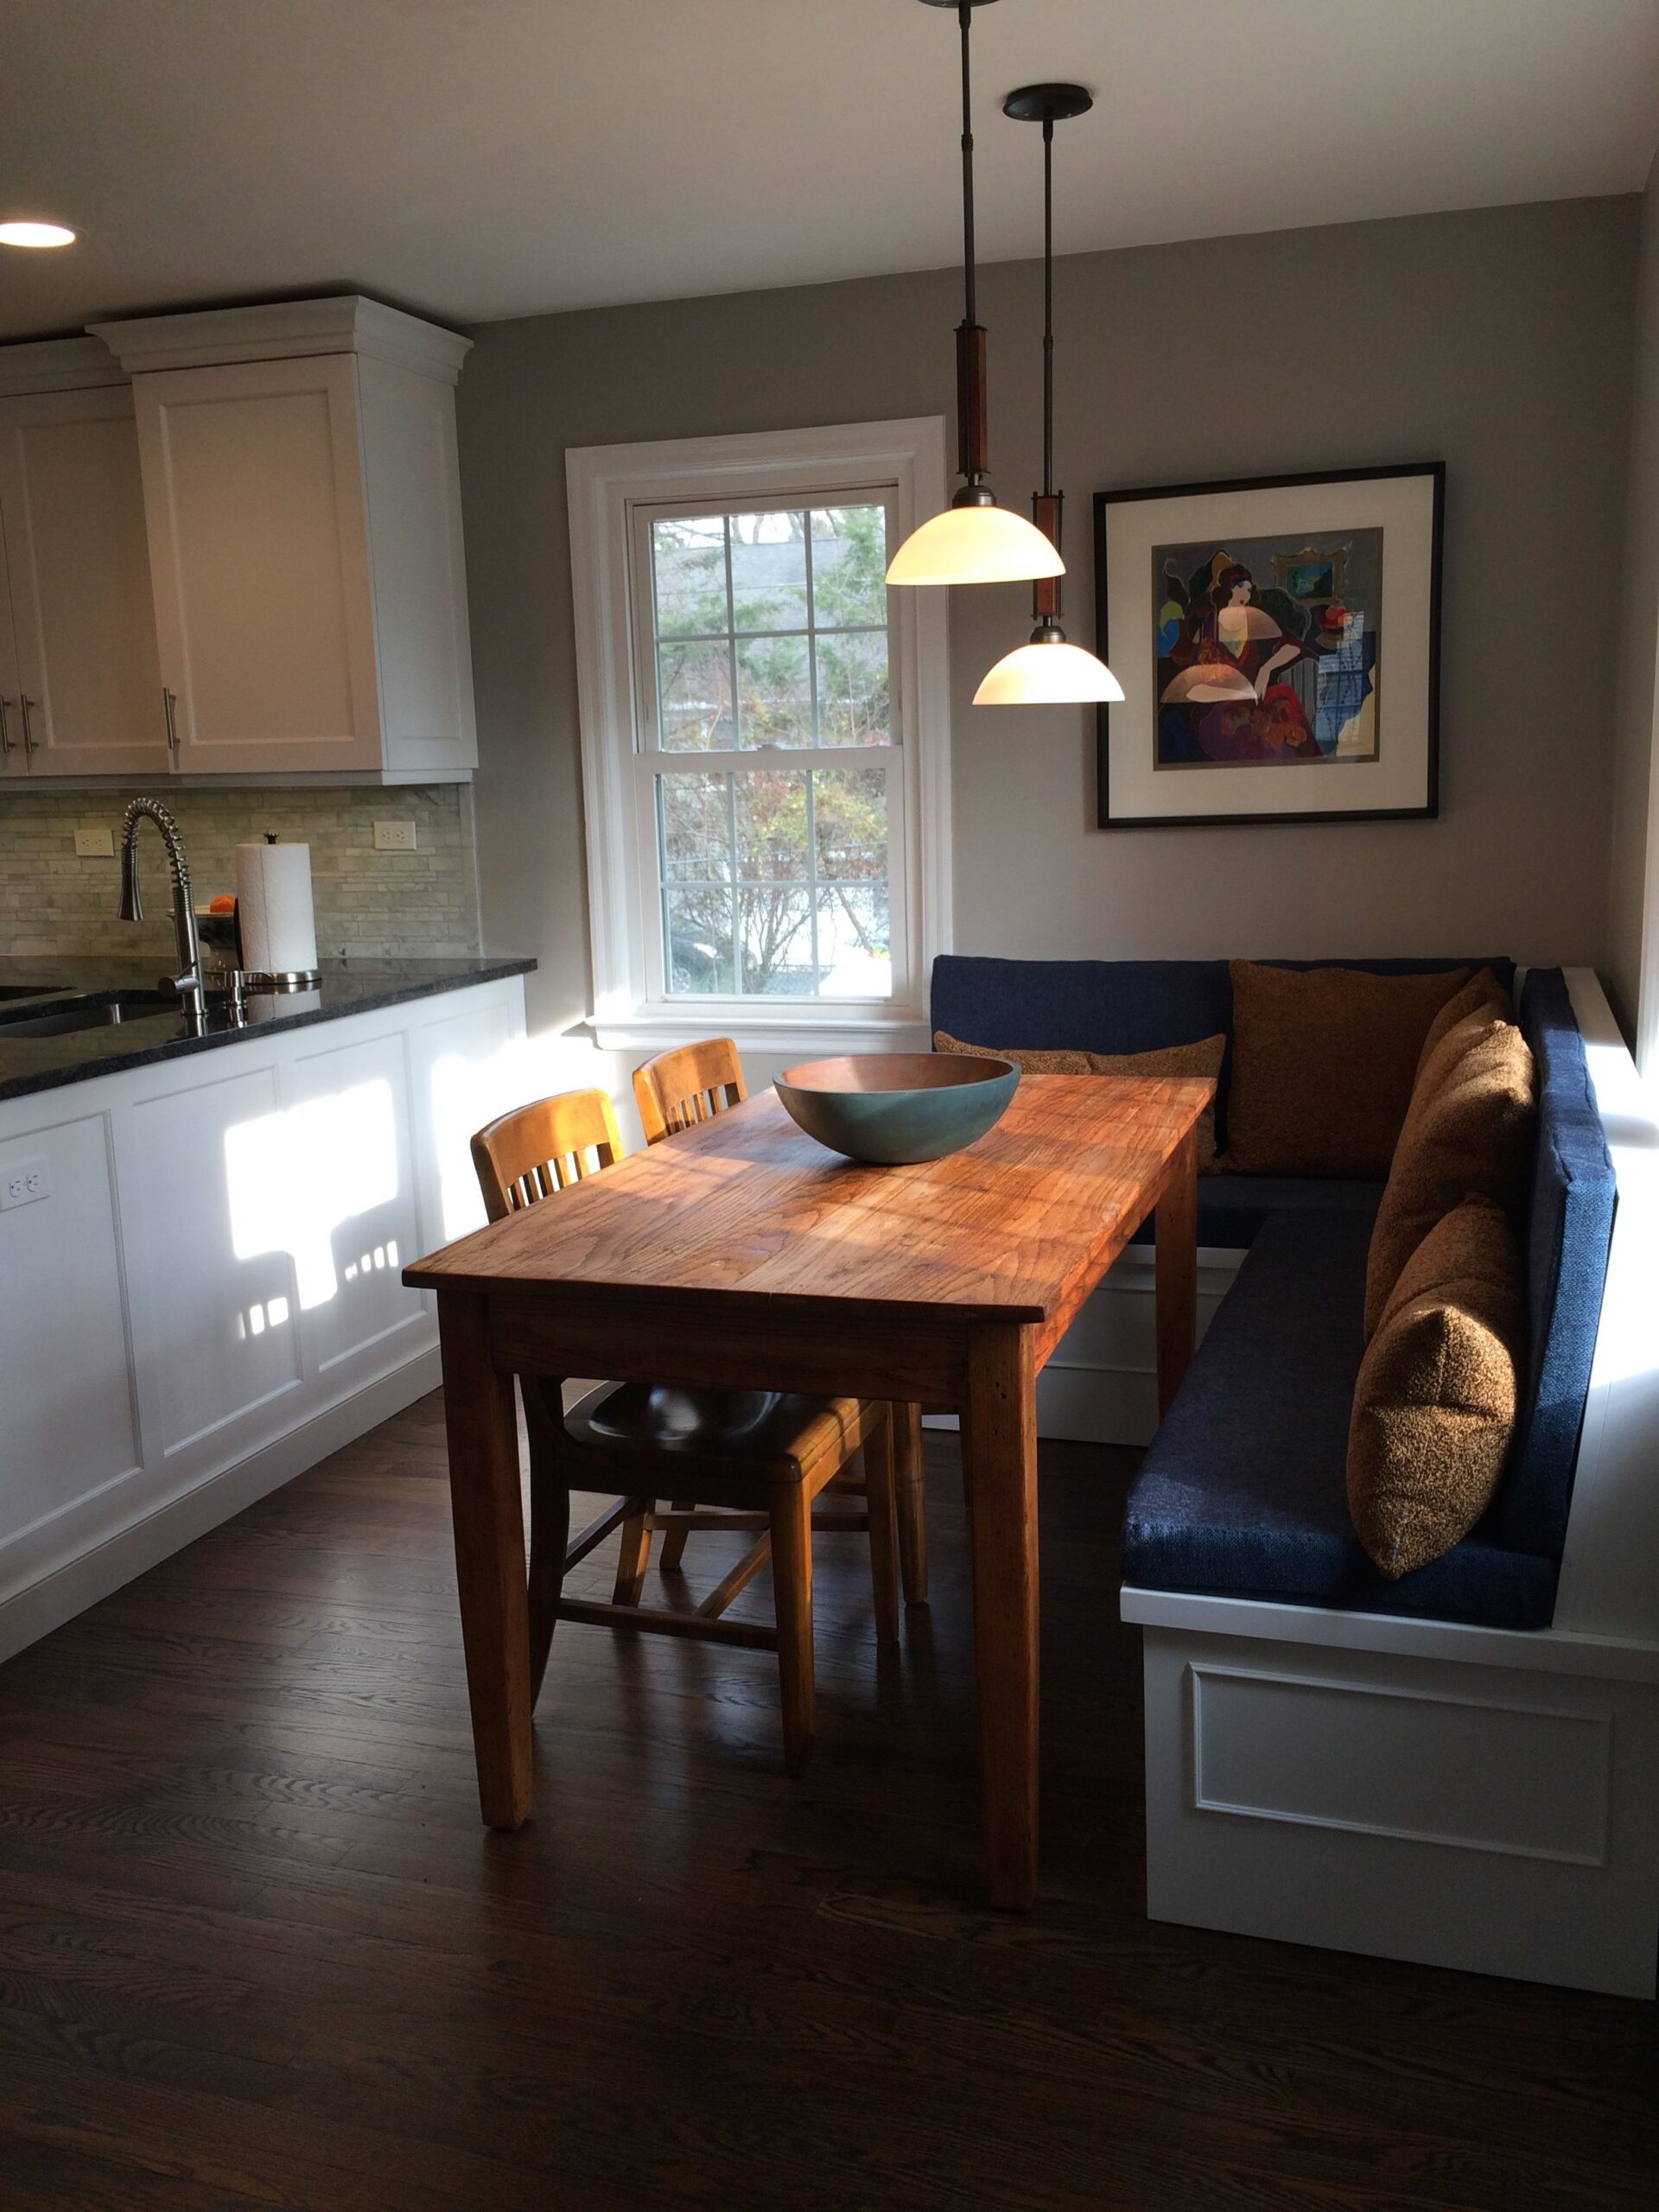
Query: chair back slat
542	1148
690	1084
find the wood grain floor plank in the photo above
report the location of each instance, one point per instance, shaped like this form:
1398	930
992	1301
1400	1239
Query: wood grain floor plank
256	1950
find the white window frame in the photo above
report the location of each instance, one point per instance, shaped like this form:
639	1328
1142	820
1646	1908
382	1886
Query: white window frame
904	461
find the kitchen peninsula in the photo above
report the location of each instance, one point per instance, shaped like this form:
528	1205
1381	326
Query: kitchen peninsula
200	1239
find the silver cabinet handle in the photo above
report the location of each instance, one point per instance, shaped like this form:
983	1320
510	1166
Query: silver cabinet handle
26	704
170	703
5	726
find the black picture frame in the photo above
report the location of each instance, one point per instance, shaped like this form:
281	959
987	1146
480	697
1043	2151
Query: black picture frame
1434	471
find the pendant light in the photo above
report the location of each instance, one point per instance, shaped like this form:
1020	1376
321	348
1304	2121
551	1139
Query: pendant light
1047	671
974	541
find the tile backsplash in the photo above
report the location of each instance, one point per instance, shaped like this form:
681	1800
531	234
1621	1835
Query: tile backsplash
369	905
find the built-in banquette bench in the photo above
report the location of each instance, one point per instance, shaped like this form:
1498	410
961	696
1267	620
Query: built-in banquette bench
1460	1765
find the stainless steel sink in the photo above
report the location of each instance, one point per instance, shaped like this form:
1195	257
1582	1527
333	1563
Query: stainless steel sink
98	1010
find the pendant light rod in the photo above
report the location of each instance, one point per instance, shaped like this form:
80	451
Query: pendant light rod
969	304
1047	105
973	406
1048	307
974	541
1046	670
973	412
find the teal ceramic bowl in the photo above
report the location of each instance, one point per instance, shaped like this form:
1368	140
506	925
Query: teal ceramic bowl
891	1108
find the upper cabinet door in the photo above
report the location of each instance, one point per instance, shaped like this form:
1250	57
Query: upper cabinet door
85	697
259	551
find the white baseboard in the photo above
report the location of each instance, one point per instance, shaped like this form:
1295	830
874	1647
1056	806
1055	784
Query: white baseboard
40	1606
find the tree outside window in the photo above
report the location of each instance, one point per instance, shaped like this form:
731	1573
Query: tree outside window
769	639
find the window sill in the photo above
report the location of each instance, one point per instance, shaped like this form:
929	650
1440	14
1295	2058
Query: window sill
652	1030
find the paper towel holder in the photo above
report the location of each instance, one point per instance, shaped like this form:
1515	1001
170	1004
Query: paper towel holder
281	979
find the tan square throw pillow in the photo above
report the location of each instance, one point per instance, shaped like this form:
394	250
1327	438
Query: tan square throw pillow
1467	1133
1202	1058
1434	1406
1323	1063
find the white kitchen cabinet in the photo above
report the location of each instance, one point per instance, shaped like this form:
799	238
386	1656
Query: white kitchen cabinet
80	685
207	1297
302	495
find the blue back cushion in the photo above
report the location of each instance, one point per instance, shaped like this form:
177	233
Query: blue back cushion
1113	1006
1567	1224
1081	1006
1116	1005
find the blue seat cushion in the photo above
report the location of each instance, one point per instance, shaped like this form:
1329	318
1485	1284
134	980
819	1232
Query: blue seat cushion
1243	1490
1232	1208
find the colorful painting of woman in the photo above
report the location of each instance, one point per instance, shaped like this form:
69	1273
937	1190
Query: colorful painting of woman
1255	675
1221	698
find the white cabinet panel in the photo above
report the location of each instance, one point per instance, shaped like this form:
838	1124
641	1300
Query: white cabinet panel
66	1420
187	1318
302	501
420	580
463	1071
259	556
216	1213
350	1197
87	687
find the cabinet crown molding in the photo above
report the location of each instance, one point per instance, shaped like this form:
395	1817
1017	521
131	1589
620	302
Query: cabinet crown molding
57	365
208	337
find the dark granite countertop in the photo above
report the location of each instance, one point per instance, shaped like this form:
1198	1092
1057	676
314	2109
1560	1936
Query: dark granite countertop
141	1036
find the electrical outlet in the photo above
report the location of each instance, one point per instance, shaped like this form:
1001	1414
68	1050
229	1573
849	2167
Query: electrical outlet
394	836
94	845
23	1182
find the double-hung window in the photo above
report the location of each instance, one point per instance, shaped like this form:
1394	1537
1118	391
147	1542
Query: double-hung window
764	733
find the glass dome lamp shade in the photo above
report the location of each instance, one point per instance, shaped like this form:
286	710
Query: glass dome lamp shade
974	541
1048	672
975	545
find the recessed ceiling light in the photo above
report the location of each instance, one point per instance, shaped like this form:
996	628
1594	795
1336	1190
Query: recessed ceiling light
35	234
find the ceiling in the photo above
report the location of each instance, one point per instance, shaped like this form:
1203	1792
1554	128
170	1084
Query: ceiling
484	158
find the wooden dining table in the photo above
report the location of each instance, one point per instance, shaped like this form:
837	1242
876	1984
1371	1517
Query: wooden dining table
742	1255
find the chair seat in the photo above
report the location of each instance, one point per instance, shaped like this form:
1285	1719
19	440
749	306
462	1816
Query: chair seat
1243	1490
770	1435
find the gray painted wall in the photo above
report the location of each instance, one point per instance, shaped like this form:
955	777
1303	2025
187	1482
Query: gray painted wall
1500	341
1633	796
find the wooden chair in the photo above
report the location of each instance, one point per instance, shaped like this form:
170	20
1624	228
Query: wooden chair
752	1460
692	1083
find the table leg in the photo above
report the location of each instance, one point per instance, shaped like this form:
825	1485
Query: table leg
483	1433
999	1442
1177	1290
910	1496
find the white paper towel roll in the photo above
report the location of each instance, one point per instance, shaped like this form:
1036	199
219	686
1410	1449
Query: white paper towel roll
273	908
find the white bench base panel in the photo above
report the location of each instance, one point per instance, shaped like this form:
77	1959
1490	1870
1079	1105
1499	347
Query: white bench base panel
1499	1819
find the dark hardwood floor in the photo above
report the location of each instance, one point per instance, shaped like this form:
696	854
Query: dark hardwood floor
256	1950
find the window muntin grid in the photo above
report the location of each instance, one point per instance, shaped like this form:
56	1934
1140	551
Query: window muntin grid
770	737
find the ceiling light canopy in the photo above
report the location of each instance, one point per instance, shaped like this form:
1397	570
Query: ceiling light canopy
26	231
975	541
1047	671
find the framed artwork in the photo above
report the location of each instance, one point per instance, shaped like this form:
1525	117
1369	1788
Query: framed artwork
1278	644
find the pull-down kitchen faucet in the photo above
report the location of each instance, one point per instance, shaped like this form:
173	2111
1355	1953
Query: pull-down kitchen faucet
187	982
